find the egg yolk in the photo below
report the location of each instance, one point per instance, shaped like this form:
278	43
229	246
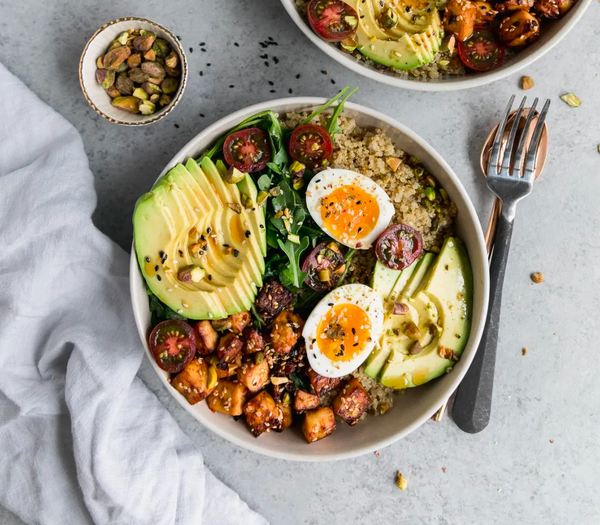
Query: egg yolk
349	212
343	332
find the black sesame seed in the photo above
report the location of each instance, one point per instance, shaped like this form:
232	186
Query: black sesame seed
156	268
210	279
276	60
147	259
247	234
191	49
208	230
266	64
178	38
272	91
226	246
201	73
158	277
208	65
271	83
353	331
236	44
329	304
290	91
202	115
236	252
355	344
298	75
177	126
180	253
231	86
202	44
332	81
203	50
323	71
262	225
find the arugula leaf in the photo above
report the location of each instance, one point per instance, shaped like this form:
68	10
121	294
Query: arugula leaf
293	252
301	382
274	167
317	112
264	182
258	320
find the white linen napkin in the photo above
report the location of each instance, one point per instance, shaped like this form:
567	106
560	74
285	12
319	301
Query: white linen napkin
82	440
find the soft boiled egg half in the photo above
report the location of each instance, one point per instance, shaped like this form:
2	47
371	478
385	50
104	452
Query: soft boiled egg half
351	208
342	330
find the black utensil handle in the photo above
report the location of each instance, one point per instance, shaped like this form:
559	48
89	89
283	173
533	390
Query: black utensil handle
473	402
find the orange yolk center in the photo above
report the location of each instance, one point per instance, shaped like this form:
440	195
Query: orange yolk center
343	332
349	212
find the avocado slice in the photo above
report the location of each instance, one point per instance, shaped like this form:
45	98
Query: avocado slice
187	209
383	280
412	42
443	302
423	267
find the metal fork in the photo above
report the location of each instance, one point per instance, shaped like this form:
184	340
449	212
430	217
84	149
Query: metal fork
510	177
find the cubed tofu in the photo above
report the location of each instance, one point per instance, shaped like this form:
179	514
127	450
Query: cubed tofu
230	346
459	18
287	413
226	370
239	321
318	424
207	337
228	397
195	382
262	414
304	401
322	384
285	331
351	402
254	373
253	340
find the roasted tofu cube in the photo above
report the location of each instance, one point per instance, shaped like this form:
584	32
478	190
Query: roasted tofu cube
207	337
287	413
272	298
230	346
228	397
253	340
322	384
239	321
262	414
305	401
226	369
459	18
318	424
285	331
254	372
196	381
351	402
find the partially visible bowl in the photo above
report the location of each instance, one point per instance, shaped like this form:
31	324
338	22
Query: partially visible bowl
96	46
552	34
410	410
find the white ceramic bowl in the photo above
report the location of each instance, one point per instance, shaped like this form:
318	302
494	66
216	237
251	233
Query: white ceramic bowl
418	404
552	33
97	45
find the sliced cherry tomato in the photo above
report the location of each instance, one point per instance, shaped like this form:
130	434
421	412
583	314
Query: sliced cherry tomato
247	150
399	246
332	20
325	266
311	145
173	345
481	51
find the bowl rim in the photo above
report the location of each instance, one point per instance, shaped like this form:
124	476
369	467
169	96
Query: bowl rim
477	325
184	72
453	83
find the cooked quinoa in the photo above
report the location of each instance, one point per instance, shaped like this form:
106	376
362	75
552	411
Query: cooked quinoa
370	152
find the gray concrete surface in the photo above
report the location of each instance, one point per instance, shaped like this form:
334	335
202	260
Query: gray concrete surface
539	460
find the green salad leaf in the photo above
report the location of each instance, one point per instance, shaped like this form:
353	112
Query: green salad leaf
292	272
159	310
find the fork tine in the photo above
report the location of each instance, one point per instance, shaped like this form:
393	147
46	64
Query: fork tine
535	142
521	146
493	164
505	169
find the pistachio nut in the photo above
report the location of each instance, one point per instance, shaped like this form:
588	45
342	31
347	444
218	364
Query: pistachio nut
156	81
221	324
147	108
161	48
114	58
172	72
124	85
140	93
137	75
262	198
145	32
350	43
131	104
114	44
105	77
134	60
122	38
144	42
232	175
100	62
246	201
113	92
151	89
172	60
191	274
123	67
297	169
153	69
150	55
169	85
389	18
164	100
154	98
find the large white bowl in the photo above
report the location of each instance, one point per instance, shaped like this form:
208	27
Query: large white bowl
552	33
418	404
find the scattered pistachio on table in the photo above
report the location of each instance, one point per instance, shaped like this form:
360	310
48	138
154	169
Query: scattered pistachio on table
139	71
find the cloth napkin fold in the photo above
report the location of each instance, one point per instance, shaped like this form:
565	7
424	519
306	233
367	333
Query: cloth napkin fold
82	440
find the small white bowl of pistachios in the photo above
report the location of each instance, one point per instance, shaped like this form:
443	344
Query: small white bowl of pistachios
133	71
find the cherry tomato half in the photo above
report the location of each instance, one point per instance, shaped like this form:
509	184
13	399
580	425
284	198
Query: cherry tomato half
332	20
173	345
311	145
399	246
247	150
481	51
324	267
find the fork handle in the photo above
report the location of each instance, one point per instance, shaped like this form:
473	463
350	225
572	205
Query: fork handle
473	402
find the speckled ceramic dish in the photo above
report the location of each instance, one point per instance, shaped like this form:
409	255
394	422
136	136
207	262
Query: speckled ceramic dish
96	47
552	34
415	406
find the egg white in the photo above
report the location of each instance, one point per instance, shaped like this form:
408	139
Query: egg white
324	182
357	294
